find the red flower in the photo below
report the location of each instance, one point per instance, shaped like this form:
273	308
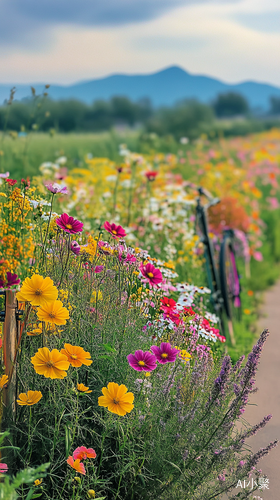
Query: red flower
167	304
82	453
151	175
26	183
114	230
151	274
188	311
173	316
11	182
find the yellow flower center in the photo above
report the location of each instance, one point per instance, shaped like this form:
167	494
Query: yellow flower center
49	364
113	231
116	401
74	356
150	275
164	355
69	226
38	292
51	315
141	363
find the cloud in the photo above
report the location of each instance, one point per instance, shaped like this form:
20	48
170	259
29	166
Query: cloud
25	22
268	22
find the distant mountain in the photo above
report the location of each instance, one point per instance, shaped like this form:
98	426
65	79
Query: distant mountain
164	88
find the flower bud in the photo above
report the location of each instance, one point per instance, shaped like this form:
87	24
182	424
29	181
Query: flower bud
91	494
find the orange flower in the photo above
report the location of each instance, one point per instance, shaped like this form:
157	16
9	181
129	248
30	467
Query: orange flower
29	399
116	399
53	312
83	388
76	355
3	381
37	290
77	465
51	364
250	293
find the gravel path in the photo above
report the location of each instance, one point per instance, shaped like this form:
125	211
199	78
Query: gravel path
267	398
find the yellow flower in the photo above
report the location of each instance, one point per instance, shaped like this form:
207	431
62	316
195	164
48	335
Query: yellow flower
3	381
29	399
37	482
37	290
76	355
53	312
91	494
116	399
185	355
247	311
36	330
93	296
51	364
83	388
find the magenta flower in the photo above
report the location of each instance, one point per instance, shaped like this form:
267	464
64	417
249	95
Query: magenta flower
3	468
165	353
98	269
114	230
11	279
69	224
151	274
75	247
54	188
142	361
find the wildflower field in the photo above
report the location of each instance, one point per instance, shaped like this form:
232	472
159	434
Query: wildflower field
122	384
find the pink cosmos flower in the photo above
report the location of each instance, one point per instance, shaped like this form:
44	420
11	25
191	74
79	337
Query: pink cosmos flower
3	468
11	279
69	224
75	247
82	453
165	353
142	361
4	176
98	269
151	274
54	188
258	256
114	230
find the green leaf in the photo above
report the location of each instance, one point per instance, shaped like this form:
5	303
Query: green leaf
109	348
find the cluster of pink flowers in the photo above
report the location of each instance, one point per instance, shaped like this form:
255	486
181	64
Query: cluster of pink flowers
145	361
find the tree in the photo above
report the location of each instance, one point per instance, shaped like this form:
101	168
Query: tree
275	105
230	104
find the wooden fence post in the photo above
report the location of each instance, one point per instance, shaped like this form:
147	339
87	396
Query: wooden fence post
10	339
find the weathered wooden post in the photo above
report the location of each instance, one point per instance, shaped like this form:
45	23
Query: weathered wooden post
10	342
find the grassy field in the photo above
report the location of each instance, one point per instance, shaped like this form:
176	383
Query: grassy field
21	156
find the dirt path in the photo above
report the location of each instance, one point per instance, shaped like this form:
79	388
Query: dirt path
267	398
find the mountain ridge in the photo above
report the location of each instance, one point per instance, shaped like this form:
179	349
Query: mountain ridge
164	88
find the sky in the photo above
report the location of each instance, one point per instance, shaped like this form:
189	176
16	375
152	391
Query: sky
65	41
